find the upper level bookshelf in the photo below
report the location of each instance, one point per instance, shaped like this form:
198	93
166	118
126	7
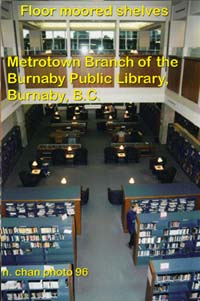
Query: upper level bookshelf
185	149
153	198
173	280
39	282
40	201
38	240
166	235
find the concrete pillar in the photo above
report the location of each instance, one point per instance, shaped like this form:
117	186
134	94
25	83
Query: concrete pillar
21	124
167	116
144	40
35	40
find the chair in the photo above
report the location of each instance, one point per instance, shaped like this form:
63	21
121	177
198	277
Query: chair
110	155
84	196
58	156
29	180
115	197
84	115
167	175
101	126
132	155
99	114
81	156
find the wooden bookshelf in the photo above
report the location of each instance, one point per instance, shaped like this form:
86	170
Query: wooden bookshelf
40	283
166	235
58	197
38	241
173	279
148	193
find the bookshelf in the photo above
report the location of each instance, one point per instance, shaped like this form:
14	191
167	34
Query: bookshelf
40	202
173	280
153	198
173	235
38	240
39	282
185	149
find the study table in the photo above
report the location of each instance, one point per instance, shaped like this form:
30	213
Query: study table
117	125
146	149
147	194
59	196
45	150
58	136
69	126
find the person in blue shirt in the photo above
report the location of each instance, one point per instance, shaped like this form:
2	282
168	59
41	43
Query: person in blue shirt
131	217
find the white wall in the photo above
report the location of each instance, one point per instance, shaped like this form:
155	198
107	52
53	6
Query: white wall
195	7
177	34
193	32
8	36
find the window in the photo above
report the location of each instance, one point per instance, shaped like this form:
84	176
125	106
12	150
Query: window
128	41
92	41
54	40
155	40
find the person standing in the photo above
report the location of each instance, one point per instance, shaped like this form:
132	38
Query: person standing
131	217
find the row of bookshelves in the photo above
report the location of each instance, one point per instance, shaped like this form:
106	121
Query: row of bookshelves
173	280
45	283
162	199
170	204
185	151
39	209
161	239
22	240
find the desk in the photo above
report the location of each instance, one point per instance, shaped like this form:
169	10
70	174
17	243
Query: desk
154	192
74	125
58	196
146	149
116	125
121	155
59	135
36	171
45	150
158	167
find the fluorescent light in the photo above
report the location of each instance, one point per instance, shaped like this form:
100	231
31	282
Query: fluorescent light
63	181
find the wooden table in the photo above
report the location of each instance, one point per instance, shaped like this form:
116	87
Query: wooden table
146	148
45	150
69	126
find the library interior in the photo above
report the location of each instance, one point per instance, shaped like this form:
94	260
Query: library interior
78	156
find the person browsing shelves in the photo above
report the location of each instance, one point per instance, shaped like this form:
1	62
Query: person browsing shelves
131	218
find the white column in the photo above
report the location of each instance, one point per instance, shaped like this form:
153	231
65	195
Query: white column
167	116
21	124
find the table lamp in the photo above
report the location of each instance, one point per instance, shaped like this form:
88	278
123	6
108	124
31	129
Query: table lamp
131	180
34	164
63	181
